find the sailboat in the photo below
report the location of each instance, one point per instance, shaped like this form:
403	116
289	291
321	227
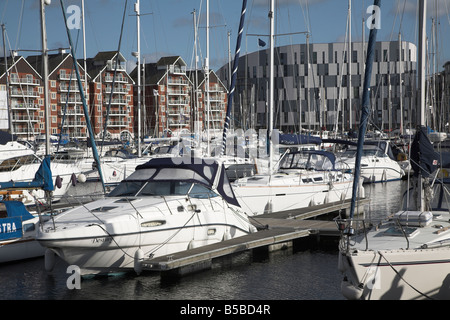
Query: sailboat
19	162
407	255
305	178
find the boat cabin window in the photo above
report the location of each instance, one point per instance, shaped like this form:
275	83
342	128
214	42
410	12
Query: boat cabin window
163	182
306	161
17	162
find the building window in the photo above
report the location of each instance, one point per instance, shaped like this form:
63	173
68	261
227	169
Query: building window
355	56
53	84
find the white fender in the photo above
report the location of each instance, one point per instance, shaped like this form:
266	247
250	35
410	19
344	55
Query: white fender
191	245
226	235
50	260
138	257
349	291
82	178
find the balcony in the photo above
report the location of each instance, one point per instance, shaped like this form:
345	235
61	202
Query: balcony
71	88
24	93
174	92
24	118
177	81
116	90
24	80
74	124
68	76
178	102
117	124
71	100
115	101
119	79
24	106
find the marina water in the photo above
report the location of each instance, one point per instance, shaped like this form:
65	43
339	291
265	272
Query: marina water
307	274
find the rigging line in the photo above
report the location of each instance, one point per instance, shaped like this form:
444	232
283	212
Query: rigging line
402	16
4	10
401	277
20	25
115	65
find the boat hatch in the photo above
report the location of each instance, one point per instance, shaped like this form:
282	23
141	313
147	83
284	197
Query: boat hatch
155	223
104	209
397	232
124	200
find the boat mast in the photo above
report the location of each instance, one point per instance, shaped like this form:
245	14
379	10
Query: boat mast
207	79
349	61
138	26
8	102
421	74
365	112
43	3
271	81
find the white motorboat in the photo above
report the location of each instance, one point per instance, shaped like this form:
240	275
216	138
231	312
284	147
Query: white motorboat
377	162
22	169
304	178
167	205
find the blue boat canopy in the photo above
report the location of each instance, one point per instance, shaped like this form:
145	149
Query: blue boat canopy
207	171
11	225
42	179
294	139
16	209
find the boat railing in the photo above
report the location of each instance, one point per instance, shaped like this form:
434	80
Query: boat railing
357	227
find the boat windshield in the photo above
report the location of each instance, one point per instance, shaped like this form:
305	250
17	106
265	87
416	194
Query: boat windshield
163	182
306	161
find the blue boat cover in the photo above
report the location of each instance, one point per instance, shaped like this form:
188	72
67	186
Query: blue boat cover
423	157
11	226
294	139
206	168
42	179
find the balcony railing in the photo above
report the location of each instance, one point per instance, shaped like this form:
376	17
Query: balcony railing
24	93
29	106
24	80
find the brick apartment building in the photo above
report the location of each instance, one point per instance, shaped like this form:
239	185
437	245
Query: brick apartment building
168	100
101	69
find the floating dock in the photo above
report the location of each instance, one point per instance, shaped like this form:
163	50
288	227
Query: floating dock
279	229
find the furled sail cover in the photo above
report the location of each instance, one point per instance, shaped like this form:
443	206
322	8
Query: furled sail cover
206	171
423	157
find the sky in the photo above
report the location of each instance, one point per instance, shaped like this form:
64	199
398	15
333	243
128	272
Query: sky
167	26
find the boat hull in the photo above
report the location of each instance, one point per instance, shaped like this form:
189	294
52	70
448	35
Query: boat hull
275	197
100	254
396	274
